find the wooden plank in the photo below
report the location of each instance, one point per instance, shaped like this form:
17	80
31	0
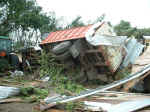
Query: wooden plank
10	100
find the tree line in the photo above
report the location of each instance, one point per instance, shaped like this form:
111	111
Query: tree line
124	28
24	19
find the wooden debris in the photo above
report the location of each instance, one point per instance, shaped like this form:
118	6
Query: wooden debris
32	56
132	83
55	110
11	100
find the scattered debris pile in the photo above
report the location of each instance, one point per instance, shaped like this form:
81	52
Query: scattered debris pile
8	91
140	84
54	101
99	100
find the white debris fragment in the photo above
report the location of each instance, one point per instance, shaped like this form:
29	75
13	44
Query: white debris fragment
45	79
56	97
16	73
97	106
8	91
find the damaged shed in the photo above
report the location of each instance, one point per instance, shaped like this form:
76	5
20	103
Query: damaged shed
94	48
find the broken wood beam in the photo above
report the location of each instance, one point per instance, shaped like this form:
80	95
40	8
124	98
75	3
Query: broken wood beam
10	100
130	84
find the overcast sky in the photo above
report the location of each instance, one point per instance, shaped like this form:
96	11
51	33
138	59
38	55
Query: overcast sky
137	12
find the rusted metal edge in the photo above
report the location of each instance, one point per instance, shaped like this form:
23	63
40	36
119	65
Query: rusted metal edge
97	90
130	106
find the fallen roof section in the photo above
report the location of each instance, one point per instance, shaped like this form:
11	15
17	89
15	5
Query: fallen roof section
68	34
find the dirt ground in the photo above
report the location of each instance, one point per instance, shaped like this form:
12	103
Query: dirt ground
22	107
16	107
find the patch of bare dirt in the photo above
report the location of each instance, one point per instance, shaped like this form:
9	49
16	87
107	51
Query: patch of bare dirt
16	107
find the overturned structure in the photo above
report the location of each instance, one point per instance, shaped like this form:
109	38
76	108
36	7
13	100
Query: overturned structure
94	48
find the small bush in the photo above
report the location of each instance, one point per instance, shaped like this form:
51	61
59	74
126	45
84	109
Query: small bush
49	66
28	92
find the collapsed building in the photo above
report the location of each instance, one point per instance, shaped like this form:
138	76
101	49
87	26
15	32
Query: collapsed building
94	48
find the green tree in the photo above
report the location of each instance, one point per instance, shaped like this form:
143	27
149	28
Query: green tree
124	29
24	19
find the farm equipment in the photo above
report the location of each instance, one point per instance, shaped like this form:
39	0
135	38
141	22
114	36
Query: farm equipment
8	59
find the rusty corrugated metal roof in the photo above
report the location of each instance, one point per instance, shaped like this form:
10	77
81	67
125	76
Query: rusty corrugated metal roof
68	34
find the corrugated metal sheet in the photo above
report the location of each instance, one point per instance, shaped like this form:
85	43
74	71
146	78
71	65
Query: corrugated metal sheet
130	106
8	91
108	44
113	56
134	49
73	33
